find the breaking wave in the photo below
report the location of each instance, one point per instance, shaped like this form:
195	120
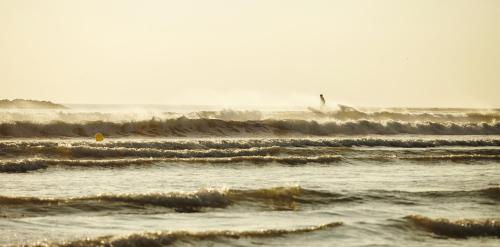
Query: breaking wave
183	127
193	238
457	229
340	113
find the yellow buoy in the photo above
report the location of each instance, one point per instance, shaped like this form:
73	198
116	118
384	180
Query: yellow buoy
99	137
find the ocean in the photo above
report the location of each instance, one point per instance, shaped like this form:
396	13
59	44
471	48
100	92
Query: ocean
209	176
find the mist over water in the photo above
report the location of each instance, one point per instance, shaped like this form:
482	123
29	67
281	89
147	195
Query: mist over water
213	176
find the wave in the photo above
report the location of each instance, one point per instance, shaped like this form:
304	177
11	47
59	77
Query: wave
340	113
167	238
350	114
457	229
102	152
183	127
21	166
103	157
31	156
276	198
13	146
490	193
452	157
33	164
26	165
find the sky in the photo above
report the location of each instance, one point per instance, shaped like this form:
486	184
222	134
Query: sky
417	53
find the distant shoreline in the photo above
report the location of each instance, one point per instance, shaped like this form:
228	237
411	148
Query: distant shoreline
29	104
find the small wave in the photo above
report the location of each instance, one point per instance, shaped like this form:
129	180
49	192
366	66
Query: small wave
277	198
27	165
493	192
290	194
155	148
33	164
490	192
457	229
290	160
280	142
130	203
111	152
231	147
20	167
167	238
452	157
486	193
182	127
489	196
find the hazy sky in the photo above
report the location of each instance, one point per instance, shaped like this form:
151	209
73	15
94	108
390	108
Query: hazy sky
243	52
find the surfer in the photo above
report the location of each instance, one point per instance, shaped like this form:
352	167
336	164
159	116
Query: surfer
322	101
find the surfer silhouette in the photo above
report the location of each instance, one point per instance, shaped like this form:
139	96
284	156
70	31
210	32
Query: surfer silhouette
322	104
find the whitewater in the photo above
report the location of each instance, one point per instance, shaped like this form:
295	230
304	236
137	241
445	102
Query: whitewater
210	176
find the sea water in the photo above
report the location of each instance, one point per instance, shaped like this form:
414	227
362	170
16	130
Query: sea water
169	176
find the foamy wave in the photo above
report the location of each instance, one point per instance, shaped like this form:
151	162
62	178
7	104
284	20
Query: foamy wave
457	229
182	127
195	238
